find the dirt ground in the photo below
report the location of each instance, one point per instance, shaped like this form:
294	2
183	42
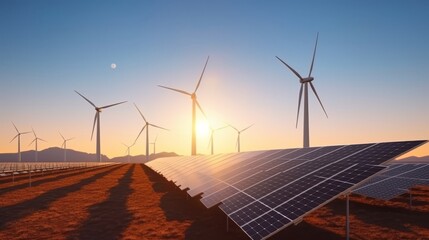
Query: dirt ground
130	201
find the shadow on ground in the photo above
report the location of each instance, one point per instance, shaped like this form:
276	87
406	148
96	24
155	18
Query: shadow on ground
211	223
35	182
108	219
42	202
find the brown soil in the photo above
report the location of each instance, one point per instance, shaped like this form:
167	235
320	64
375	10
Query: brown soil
132	202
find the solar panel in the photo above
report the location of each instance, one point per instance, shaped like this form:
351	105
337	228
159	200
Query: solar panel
267	191
396	180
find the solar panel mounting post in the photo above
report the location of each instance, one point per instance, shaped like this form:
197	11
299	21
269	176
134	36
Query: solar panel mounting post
347	218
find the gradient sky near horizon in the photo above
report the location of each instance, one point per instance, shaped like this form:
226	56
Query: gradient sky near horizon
370	71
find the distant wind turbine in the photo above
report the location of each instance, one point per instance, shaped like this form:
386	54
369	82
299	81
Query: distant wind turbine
35	140
154	145
128	150
64	146
238	135
18	135
304	84
147	124
97	120
195	103
212	131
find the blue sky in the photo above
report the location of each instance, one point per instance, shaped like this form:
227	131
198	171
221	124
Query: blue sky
370	70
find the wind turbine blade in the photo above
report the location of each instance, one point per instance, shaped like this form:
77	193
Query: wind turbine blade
314	55
62	136
177	90
299	104
32	142
247	128
155	139
201	77
139	134
62	145
42	140
93	125
86	99
140	112
34	132
153	125
70	139
201	109
15	127
14	138
24	133
220	128
125	144
293	70
314	90
233	127
111	105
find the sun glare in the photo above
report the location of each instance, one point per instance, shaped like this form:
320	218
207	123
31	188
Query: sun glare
203	129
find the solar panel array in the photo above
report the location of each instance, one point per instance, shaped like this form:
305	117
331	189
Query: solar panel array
266	191
397	179
15	168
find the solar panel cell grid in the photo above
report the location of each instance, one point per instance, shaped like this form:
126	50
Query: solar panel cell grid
289	191
309	200
265	225
420	172
358	173
213	200
264	192
235	202
395	169
251	212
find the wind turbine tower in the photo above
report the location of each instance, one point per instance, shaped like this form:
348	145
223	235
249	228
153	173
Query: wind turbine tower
147	124
305	81
97	120
18	135
64	146
128	150
35	140
154	145
212	131
238	135
195	104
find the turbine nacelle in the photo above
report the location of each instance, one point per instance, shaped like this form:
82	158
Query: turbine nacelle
305	80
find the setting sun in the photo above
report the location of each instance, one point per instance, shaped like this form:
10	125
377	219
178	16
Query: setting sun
203	129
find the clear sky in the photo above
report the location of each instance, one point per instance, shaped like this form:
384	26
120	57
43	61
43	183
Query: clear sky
371	71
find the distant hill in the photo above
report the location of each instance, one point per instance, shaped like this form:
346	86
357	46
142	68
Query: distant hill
142	158
56	154
413	159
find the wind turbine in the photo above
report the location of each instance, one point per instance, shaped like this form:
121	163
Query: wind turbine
19	141
64	145
97	119
304	85
35	141
212	131
147	124
195	103
128	150
238	135
154	144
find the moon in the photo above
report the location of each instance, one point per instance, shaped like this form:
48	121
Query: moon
113	66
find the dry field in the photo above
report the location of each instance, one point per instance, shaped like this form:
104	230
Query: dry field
130	201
